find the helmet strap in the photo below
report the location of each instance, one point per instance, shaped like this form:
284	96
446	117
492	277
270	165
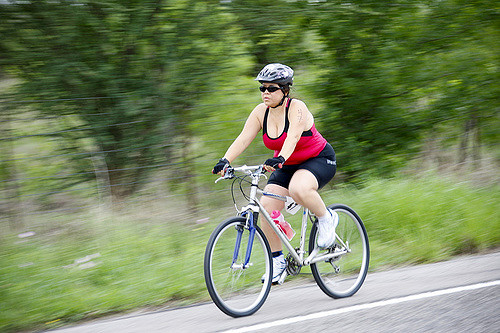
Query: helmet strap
281	102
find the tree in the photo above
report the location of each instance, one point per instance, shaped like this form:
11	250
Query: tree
274	30
128	69
459	40
363	85
392	71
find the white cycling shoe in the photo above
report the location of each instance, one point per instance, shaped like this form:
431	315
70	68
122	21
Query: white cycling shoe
279	266
326	230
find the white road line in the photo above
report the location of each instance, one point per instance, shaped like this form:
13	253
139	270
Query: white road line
323	314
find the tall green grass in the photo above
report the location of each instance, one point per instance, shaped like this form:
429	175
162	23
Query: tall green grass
417	220
127	261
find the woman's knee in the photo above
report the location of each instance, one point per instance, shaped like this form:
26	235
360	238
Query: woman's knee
299	191
294	190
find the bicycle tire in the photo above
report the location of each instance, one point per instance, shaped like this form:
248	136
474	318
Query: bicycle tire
237	292
343	276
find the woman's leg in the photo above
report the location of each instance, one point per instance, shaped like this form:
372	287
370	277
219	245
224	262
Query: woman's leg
271	204
304	190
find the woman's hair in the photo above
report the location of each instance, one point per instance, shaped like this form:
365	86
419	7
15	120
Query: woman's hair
286	89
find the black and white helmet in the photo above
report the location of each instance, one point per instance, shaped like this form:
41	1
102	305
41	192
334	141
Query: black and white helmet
276	73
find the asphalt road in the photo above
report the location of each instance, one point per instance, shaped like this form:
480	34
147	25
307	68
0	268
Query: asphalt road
461	295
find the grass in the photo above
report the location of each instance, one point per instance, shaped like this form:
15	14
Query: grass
100	264
424	220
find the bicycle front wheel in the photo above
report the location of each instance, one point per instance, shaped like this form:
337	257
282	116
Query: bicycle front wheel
236	287
343	274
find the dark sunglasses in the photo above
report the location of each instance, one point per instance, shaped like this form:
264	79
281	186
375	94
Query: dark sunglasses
271	89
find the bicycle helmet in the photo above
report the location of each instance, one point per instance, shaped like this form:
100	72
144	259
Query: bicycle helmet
276	73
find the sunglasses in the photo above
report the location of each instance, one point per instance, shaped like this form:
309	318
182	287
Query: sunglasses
271	89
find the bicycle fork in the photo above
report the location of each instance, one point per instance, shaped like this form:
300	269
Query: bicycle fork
239	236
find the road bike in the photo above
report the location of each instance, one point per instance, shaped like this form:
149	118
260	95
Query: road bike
238	263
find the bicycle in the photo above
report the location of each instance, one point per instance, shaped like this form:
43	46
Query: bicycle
238	263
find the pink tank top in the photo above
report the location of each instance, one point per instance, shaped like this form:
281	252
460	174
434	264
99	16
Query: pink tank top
310	144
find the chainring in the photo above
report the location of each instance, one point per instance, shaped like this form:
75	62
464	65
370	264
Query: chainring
292	268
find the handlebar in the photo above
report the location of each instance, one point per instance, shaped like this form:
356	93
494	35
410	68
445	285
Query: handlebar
252	170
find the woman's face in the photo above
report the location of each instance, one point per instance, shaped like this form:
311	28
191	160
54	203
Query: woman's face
271	98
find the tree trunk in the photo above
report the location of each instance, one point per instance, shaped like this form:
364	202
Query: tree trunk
464	144
470	140
476	145
189	173
11	190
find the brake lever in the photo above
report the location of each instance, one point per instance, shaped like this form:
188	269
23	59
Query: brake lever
228	174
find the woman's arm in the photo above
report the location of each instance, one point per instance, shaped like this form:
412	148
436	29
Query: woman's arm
252	126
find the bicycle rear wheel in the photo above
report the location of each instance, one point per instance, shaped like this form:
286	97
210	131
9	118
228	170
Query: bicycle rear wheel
237	290
343	275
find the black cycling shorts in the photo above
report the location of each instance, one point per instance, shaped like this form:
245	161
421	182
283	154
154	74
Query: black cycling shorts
323	167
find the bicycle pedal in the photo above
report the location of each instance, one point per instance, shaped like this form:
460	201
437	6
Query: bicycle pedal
282	278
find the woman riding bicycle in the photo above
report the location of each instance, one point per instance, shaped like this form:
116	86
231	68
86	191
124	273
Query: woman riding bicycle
303	160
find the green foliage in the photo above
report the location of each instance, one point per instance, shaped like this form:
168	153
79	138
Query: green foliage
131	269
129	71
274	29
382	64
141	78
426	219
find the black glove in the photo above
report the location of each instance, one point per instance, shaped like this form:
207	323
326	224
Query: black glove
275	162
223	164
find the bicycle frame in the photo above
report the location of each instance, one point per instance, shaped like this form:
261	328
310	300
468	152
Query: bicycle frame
298	255
256	208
